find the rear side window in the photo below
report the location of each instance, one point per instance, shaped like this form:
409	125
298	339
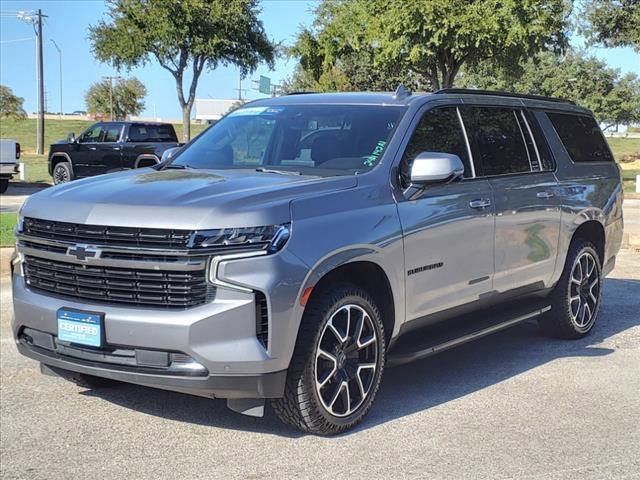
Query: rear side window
141	133
440	131
498	140
581	137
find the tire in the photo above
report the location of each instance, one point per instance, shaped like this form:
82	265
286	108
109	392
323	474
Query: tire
575	304
4	185
62	173
347	361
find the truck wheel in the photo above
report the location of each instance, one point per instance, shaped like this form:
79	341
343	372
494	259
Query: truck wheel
4	184
62	173
575	300
337	364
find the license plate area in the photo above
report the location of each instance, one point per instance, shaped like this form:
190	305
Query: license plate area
81	327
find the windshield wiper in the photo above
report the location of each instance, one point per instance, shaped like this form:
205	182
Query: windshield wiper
281	172
176	166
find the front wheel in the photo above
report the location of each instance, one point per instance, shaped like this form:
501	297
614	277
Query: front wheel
575	301
62	173
337	364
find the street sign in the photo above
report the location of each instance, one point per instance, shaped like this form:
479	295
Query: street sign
265	85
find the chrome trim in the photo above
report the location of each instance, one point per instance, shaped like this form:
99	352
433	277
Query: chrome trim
466	141
215	263
515	116
195	264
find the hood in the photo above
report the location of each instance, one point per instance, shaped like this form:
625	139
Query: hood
180	199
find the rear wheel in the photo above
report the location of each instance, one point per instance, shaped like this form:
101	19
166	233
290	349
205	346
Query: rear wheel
575	301
4	184
337	364
62	173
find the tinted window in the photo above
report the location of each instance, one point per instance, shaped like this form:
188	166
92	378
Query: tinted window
542	147
152	133
92	135
497	140
112	133
582	137
311	139
439	130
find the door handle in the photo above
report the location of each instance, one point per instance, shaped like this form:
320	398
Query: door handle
481	203
92	148
116	148
544	194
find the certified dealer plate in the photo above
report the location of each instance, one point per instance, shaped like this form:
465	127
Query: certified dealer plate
77	326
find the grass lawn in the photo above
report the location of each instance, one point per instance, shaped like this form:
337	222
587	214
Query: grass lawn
7	224
623	147
629	179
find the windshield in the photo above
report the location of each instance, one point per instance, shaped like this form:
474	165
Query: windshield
322	140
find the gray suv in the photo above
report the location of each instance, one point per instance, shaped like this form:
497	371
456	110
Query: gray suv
304	243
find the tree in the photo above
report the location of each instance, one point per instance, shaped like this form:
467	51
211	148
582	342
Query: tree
127	98
184	37
10	104
612	23
586	80
428	41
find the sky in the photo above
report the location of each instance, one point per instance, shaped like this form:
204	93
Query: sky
67	25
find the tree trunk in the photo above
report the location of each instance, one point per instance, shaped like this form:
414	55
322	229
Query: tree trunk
186	123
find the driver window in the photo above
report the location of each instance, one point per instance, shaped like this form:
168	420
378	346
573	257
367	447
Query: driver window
92	135
439	130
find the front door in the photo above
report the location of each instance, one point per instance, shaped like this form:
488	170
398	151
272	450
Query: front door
84	154
517	164
448	228
109	149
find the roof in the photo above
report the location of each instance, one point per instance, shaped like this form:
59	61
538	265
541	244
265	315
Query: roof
389	98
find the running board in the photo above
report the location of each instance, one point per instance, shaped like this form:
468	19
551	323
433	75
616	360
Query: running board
444	339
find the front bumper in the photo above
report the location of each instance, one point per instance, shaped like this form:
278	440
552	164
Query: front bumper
219	335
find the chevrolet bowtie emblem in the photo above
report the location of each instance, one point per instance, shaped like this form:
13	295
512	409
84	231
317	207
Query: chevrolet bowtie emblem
83	252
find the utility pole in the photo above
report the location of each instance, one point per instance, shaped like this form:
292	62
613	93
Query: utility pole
111	79
40	70
60	55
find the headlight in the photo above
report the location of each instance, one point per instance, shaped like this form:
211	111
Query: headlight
270	238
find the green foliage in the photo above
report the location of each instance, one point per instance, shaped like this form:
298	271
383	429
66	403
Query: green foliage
575	76
128	98
7	226
10	104
183	36
367	44
611	23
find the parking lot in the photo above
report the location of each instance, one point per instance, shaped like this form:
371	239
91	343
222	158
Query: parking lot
514	405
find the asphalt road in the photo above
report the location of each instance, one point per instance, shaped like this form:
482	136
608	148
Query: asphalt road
514	405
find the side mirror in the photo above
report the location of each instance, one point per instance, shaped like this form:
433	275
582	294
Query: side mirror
169	153
435	167
71	137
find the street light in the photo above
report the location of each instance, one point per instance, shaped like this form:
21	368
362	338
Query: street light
111	79
60	55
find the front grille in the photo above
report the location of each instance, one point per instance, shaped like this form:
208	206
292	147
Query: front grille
119	285
106	235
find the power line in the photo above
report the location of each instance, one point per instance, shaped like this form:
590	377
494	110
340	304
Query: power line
16	40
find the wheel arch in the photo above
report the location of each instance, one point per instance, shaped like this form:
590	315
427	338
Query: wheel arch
361	270
593	231
59	157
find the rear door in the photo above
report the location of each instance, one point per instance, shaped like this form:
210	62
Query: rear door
448	228
514	158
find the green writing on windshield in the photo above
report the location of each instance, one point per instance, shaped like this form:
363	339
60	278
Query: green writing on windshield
370	161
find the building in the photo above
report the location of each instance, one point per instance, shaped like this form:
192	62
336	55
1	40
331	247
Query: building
213	109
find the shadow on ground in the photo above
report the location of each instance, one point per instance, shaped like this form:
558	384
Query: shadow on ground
420	385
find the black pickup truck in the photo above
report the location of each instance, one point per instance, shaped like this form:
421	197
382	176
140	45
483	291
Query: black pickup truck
108	147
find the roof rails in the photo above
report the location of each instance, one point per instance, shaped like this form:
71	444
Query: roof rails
299	93
471	91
